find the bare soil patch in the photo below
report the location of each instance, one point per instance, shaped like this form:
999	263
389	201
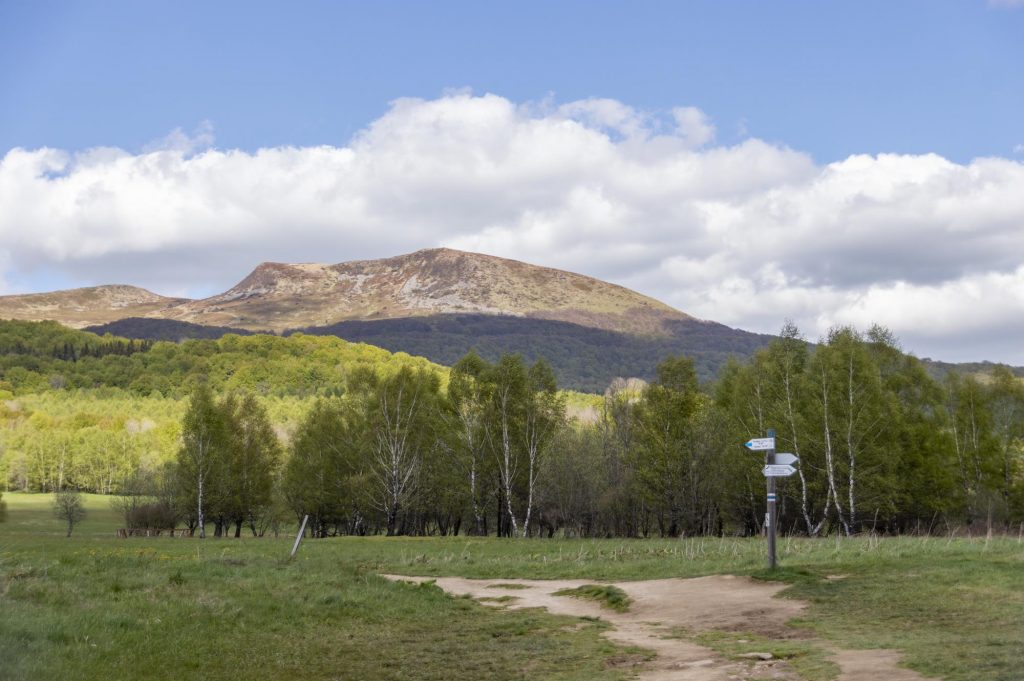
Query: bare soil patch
661	608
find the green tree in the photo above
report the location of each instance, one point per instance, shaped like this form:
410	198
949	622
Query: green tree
1007	405
465	412
68	506
204	448
325	476
402	417
664	423
976	449
507	393
251	463
543	415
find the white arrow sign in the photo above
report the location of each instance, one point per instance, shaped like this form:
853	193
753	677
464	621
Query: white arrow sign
778	471
786	458
760	444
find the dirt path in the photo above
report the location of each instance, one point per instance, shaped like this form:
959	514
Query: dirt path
720	603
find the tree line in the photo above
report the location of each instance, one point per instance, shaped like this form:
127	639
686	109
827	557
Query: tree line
36	357
394	445
882	446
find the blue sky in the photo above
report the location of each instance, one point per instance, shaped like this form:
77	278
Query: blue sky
747	162
830	78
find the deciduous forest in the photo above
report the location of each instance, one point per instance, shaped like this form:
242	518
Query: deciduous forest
245	434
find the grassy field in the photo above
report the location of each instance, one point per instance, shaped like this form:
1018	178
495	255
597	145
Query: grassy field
97	607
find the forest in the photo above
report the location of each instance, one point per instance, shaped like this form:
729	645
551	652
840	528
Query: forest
582	357
249	433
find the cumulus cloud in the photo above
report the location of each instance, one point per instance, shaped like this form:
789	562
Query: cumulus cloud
748	234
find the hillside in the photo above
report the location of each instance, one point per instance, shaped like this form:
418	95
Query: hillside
278	296
436	303
583	358
938	369
41	356
86	306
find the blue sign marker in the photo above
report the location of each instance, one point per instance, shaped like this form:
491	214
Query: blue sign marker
771	497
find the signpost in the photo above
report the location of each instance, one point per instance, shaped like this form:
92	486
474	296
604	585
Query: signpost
761	444
786	458
775	466
777	470
769	460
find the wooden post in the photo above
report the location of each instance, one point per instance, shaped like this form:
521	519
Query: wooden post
298	537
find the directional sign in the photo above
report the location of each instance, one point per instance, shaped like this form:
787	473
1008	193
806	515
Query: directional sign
785	458
760	444
778	471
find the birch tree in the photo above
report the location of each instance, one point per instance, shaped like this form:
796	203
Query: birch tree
507	391
402	416
202	448
543	413
787	362
821	378
466	401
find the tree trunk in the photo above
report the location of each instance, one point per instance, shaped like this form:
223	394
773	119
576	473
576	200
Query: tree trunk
829	462
199	510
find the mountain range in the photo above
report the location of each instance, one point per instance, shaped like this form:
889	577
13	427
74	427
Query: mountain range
438	303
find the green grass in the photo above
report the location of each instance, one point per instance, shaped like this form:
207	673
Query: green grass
97	607
611	597
32	515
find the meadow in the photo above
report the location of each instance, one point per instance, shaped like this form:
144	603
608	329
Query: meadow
97	607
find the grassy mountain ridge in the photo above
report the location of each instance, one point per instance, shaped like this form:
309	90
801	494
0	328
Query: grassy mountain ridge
279	296
86	306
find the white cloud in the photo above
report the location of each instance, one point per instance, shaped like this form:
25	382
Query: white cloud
747	235
180	141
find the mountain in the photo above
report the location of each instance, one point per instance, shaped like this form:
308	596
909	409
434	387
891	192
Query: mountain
436	303
278	296
85	306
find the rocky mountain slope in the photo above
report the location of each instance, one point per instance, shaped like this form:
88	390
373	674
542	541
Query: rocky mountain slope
436	281
277	296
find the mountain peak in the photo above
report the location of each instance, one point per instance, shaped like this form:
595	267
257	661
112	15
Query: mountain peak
279	296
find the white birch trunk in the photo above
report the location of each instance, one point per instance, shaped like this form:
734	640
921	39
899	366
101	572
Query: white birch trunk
812	529
829	454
